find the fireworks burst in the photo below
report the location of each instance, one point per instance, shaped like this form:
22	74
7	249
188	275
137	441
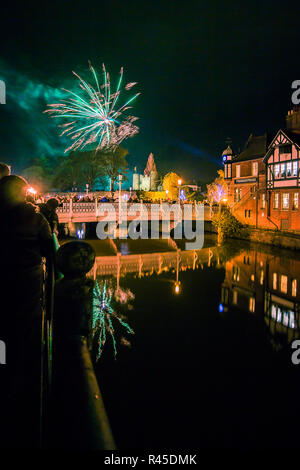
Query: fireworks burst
103	316
93	115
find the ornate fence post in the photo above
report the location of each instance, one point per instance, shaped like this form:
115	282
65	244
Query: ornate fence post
78	417
71	209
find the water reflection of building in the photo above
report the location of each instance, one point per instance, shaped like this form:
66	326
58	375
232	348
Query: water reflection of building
261	283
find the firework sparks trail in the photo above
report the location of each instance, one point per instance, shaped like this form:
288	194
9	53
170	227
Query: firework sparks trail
95	116
103	316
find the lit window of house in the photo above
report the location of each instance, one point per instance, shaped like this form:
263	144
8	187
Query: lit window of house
263	201
238	171
236	273
283	170
237	194
296	201
252	304
292	320
276	170
295	168
283	284
289	169
261	279
285	201
285	318
254	168
274	281
294	287
276	201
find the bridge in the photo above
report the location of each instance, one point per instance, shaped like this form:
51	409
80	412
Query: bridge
97	211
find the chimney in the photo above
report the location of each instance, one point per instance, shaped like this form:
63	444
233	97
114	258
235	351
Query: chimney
293	120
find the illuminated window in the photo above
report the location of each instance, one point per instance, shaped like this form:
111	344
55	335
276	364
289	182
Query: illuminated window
237	194
296	201
283	284
238	171
285	201
276	201
274	281
276	170
229	171
263	201
289	169
236	273
254	168
273	312
252	277
252	304
294	287
282	170
261	279
295	168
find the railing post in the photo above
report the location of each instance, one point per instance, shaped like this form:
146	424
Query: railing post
96	207
71	209
78	417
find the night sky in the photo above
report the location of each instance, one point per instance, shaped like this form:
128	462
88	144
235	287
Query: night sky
206	71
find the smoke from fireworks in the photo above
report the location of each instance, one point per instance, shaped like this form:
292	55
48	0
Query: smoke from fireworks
93	115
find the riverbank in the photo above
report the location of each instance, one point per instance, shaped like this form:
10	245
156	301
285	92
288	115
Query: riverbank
288	240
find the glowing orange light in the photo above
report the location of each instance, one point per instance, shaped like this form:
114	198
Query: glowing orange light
177	288
179	182
31	190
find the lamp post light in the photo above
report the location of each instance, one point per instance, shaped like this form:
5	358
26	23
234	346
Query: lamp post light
120	183
179	184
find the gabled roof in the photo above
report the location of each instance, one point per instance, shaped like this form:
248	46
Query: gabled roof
255	147
294	137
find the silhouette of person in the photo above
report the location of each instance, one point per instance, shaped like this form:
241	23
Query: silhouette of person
25	238
48	209
4	170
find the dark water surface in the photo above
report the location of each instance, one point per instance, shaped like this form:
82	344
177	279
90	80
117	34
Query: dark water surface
209	366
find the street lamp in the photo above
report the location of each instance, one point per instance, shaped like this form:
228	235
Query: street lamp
120	183
179	184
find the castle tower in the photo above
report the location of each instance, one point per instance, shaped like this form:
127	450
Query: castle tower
135	180
227	161
151	172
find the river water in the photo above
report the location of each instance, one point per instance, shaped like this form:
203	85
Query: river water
210	362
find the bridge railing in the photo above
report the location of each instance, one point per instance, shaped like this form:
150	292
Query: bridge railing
93	208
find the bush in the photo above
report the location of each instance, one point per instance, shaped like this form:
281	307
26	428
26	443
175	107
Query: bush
229	225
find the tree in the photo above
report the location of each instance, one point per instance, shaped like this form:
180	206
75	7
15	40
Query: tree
228	225
217	191
113	163
68	173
